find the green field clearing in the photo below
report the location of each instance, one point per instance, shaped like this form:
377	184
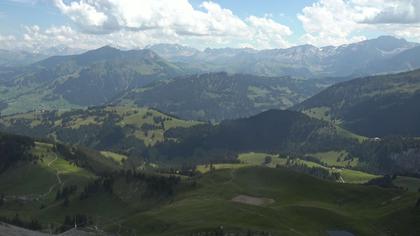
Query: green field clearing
258	159
335	158
119	158
356	177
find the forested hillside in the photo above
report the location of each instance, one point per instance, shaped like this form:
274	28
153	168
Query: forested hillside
373	106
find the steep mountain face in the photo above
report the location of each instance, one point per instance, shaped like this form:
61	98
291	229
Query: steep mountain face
220	96
88	79
271	131
353	58
406	60
300	61
372	106
123	129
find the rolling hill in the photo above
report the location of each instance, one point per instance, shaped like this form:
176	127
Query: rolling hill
92	78
373	106
220	96
271	131
124	129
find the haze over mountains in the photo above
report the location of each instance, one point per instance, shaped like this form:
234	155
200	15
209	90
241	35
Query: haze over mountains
358	59
108	75
13	58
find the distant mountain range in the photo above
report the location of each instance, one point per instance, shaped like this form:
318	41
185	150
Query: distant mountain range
187	82
13	58
372	106
18	58
363	58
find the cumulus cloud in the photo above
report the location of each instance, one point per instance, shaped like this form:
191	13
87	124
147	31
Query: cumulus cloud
332	22
335	22
177	19
177	15
7	41
398	12
83	13
266	32
137	23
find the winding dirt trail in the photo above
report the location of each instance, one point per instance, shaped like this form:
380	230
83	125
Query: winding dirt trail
37	197
57	174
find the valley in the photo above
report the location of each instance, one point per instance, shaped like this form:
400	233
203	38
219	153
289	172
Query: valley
173	140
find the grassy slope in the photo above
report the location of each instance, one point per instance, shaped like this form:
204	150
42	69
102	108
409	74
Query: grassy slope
257	159
303	206
29	186
39	176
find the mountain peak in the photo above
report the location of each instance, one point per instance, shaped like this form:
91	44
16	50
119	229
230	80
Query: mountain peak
388	43
104	49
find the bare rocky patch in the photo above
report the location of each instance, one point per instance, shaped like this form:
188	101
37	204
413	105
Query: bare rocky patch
255	201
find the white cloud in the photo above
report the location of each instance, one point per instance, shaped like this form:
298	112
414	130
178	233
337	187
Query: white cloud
268	33
137	23
7	41
398	12
83	13
338	22
332	22
177	19
176	15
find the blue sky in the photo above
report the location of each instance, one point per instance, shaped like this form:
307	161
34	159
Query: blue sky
37	24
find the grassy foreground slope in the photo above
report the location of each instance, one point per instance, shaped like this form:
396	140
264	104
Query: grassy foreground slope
300	205
36	172
242	200
47	183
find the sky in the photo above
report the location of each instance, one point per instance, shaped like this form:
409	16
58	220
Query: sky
36	25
